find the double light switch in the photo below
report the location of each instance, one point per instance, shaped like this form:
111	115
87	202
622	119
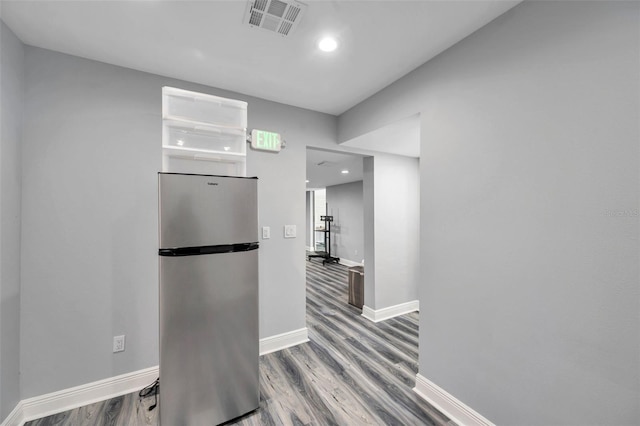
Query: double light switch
289	232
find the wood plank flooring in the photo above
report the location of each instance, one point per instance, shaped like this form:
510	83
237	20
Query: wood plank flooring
352	372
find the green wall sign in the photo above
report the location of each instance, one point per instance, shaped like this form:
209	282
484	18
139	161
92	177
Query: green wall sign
266	141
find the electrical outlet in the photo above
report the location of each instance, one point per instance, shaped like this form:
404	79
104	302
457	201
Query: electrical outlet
266	232
289	231
118	343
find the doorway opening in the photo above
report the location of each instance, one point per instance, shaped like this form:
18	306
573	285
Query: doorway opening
335	209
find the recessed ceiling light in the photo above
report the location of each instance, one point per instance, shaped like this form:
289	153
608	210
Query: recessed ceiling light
306	181
328	44
180	142
227	148
345	172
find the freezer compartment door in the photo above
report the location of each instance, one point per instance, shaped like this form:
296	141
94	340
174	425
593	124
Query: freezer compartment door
200	210
209	342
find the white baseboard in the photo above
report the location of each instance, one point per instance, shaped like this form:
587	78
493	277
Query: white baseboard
391	311
15	417
447	404
78	396
369	313
347	262
284	340
68	399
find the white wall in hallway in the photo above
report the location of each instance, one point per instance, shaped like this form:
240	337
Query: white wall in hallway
345	205
369	216
391	224
308	219
397	230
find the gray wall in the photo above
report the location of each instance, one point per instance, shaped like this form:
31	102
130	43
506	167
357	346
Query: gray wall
369	218
11	102
529	197
347	236
308	219
396	228
92	147
391	220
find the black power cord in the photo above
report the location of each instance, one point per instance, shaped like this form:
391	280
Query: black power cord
153	388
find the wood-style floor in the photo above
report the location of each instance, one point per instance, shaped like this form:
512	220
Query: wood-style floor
352	372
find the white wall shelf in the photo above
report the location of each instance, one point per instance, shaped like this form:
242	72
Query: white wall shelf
200	130
209	139
178	104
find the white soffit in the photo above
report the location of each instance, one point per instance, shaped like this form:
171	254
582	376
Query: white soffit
401	138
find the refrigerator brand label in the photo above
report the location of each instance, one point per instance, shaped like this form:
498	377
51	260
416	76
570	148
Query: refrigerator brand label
212	183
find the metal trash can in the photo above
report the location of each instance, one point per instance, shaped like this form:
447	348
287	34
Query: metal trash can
356	286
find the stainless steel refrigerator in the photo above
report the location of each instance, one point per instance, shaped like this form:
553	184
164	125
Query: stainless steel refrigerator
208	298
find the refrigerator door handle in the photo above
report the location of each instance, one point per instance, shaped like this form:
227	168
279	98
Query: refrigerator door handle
216	249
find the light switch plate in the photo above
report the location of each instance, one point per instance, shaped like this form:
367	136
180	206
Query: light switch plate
266	232
289	231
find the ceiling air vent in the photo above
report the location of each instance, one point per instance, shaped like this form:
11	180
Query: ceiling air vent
277	16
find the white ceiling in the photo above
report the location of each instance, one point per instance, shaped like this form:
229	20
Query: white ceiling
324	168
206	42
